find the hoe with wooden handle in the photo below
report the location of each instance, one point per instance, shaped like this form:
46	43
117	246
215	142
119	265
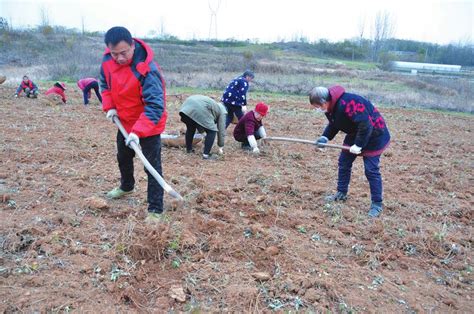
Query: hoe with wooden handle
297	140
147	164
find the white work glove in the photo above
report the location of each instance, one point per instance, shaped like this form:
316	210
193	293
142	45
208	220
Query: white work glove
220	151
355	149
256	151
132	137
244	109
111	114
261	132
252	141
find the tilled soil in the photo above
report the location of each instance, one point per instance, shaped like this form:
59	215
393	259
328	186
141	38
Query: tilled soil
254	233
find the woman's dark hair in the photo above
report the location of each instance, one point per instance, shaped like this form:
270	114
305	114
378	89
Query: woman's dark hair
116	34
59	85
249	73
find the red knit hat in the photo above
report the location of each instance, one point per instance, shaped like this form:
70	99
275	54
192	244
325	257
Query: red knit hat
261	108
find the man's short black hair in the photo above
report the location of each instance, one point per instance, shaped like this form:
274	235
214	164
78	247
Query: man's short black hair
116	34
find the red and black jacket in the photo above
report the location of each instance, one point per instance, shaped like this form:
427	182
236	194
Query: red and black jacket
32	86
359	119
136	91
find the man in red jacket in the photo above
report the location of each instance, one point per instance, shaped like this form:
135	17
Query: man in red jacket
134	90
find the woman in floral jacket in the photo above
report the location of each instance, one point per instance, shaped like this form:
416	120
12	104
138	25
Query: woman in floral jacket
367	136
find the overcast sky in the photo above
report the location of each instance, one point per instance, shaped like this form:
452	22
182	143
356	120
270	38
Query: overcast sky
438	21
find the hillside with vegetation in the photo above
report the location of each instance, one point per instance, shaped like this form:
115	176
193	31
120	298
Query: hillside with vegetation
50	54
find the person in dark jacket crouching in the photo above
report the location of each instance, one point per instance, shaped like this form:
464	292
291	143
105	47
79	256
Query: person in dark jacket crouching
367	135
134	90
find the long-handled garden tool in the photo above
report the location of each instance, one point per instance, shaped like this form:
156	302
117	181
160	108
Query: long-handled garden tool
297	140
147	164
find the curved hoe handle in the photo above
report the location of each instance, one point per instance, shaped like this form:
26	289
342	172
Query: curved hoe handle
297	140
147	164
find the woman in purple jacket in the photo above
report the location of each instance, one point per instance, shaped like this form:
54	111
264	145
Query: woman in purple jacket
367	136
250	128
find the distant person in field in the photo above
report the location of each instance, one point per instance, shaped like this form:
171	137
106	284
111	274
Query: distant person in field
367	135
133	89
86	85
58	89
235	96
204	114
250	128
27	86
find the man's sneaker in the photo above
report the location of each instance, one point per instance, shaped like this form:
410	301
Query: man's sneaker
118	193
209	157
339	196
154	218
375	209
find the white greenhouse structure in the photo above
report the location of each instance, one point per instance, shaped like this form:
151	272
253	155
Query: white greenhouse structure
415	67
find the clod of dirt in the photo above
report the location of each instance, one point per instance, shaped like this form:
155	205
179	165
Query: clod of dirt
174	204
96	202
177	292
134	296
188	239
272	250
312	295
5	198
261	276
450	302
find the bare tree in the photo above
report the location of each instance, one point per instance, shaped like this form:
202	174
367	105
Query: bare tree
44	17
383	29
214	8
361	29
4	24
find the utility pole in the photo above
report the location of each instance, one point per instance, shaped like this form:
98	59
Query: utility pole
213	10
83	24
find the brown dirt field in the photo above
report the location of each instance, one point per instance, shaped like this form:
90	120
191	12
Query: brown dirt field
254	234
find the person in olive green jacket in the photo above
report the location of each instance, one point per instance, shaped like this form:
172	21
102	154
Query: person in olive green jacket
206	115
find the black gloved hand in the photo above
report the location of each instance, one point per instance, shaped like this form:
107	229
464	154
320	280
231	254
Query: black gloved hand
321	140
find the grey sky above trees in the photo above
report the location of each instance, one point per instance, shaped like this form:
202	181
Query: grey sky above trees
442	21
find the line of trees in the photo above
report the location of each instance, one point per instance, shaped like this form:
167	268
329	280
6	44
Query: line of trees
380	48
388	50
